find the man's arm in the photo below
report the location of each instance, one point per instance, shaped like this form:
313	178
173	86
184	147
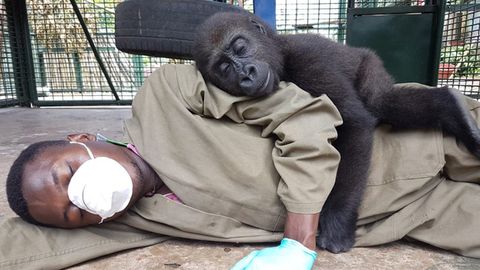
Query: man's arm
304	127
302	228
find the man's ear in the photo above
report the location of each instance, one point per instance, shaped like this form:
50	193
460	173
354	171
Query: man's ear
259	26
82	137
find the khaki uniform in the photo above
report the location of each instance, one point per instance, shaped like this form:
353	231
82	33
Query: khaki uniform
238	164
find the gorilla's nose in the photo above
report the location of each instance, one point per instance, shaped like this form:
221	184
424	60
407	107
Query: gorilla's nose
250	70
247	77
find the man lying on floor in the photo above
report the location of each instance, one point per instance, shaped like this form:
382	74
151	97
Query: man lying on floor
201	164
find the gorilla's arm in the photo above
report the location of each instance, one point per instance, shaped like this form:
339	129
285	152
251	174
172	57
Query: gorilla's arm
304	156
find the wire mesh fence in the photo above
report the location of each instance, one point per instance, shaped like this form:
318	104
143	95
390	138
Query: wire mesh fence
460	55
390	3
8	94
66	70
325	17
65	65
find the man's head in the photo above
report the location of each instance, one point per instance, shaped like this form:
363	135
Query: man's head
15	196
37	184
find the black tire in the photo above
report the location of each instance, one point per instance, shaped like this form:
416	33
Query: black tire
163	28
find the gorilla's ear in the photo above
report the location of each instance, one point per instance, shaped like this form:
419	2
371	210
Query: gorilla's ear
260	27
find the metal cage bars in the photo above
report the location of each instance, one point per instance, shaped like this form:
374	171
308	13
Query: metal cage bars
460	54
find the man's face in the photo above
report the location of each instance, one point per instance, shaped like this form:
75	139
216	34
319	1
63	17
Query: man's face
46	181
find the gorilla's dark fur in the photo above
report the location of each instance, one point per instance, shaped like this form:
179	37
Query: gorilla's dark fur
240	54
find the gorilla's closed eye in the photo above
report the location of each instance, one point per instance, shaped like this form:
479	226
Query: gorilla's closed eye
224	67
239	46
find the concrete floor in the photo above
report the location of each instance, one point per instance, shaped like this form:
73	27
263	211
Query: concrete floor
20	127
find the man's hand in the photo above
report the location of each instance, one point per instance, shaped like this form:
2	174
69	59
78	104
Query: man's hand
296	251
289	255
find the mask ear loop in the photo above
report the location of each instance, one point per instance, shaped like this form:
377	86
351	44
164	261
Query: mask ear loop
91	157
86	147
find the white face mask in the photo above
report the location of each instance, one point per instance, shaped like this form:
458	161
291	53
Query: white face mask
101	186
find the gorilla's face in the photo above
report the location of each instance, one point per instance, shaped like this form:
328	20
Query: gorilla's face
239	70
237	53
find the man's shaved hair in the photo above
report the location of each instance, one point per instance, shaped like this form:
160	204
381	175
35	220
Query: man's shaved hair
15	197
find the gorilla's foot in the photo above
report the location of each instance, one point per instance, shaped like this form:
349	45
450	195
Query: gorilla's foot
468	131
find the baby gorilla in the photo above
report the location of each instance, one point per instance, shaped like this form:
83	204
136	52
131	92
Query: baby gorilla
242	55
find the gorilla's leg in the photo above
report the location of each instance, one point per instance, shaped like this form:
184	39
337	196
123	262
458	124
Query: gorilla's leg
414	106
420	107
339	214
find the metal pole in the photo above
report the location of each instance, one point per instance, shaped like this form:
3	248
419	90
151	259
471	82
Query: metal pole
138	69
437	36
21	50
342	19
78	71
94	49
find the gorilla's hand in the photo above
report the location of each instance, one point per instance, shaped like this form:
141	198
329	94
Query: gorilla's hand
337	231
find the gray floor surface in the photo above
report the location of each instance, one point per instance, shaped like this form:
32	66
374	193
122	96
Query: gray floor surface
19	127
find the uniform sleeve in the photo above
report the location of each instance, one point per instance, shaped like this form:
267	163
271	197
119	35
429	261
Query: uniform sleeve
303	128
